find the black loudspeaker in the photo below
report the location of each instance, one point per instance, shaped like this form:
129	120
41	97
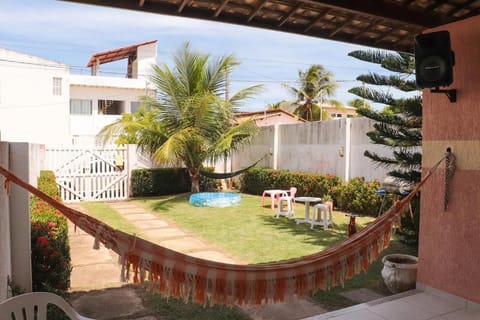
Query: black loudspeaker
434	60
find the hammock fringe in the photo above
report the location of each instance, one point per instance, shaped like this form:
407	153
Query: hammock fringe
209	282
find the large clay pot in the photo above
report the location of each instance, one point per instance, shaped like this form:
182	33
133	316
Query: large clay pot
399	272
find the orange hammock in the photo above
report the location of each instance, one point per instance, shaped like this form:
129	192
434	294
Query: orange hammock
180	275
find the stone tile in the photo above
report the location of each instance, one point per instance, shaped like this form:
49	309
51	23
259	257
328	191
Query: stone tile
400	310
95	276
297	309
363	314
139	216
361	295
132	210
84	256
160	234
149	224
118	303
185	244
435	304
123	205
465	314
83	240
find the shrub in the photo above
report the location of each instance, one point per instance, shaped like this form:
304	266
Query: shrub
358	196
49	241
255	180
159	181
165	181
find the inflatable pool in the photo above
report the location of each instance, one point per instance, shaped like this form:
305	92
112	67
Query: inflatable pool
215	199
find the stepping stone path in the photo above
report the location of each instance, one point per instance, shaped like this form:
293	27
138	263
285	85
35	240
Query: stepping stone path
89	264
168	235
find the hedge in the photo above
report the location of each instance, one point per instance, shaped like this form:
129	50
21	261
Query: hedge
165	181
51	264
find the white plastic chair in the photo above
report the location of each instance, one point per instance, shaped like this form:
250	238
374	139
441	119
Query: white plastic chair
292	192
322	214
288	199
33	306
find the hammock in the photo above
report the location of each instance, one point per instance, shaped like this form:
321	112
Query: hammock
210	282
226	175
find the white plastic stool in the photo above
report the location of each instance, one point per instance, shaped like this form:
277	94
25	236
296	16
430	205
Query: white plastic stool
323	212
289	206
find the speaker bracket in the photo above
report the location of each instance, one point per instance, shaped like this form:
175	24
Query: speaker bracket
450	93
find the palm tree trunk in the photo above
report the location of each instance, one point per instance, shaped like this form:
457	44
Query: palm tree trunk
195	175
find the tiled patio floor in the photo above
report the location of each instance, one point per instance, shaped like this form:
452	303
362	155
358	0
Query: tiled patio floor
413	305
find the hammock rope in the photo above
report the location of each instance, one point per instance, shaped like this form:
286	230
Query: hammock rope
210	282
227	175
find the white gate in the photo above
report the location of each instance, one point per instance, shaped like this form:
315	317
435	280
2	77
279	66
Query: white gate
89	174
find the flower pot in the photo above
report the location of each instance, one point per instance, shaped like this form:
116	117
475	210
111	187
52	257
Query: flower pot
399	272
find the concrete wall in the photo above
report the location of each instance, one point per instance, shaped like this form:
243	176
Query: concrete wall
25	161
5	245
26	98
449	240
146	57
326	147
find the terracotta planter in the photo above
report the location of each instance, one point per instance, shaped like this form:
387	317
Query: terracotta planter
399	272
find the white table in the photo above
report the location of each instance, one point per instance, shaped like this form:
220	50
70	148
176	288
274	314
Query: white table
274	193
307	201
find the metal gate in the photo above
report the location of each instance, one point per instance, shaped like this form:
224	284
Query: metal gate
89	174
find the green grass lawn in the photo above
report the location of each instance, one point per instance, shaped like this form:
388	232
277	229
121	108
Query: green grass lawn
249	231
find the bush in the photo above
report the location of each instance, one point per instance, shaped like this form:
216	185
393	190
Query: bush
159	181
165	181
358	196
255	180
51	266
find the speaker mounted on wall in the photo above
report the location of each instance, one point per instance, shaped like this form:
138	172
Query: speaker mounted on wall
434	61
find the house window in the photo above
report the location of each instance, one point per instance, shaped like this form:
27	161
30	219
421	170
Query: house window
57	86
80	107
110	107
134	106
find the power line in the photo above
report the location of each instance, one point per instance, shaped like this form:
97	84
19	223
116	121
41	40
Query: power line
79	68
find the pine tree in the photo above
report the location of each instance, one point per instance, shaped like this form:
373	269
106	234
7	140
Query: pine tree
399	126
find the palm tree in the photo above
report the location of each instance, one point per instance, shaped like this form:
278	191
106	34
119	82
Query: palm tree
316	84
193	120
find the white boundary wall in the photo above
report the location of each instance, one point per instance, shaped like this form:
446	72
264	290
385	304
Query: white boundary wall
25	161
333	147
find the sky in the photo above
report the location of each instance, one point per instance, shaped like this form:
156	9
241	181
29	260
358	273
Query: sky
70	33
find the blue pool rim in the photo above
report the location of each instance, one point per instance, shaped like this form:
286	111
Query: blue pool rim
215	199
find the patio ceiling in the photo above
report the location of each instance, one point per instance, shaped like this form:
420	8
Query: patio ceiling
387	24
